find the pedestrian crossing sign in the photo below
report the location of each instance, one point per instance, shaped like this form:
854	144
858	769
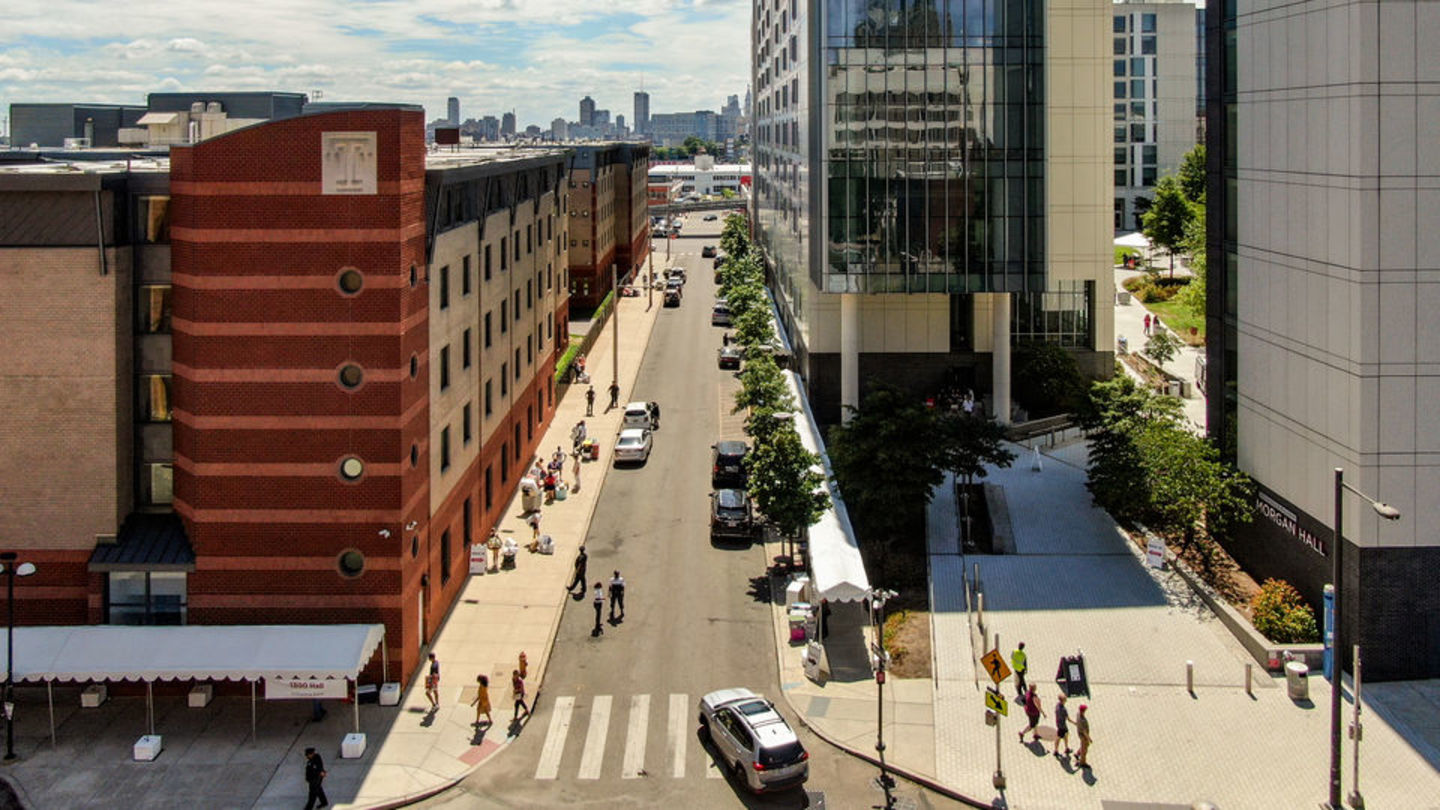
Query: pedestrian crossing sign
995	666
996	702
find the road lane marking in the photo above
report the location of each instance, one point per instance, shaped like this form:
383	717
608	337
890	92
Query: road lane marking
634	761
678	732
549	765
595	738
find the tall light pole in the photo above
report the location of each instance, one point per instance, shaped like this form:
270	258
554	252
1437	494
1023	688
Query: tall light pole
614	324
878	598
7	562
1337	625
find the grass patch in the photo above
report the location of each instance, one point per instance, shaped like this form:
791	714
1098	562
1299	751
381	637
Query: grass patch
1180	319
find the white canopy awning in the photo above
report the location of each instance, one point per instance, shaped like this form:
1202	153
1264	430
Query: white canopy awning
198	652
1133	240
835	563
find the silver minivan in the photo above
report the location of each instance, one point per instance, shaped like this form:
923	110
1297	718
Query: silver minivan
753	740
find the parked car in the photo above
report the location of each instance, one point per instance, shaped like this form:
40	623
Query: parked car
711	217
727	463
634	445
753	741
676	272
720	316
674	282
729	357
672	297
707	252
637	415
731	515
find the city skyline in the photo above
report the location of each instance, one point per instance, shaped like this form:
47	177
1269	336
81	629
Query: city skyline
536	58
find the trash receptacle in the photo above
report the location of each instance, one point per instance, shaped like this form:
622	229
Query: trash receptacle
1297	680
1187	389
1172	388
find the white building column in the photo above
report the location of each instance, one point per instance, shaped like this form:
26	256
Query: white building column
849	354
1000	357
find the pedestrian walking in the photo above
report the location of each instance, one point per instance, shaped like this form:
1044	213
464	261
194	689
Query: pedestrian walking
315	778
1062	726
655	415
1156	327
432	682
1147	324
493	545
614	394
590	401
577	435
482	700
599	599
582	561
1019	664
617	596
1082	730
1033	713
517	686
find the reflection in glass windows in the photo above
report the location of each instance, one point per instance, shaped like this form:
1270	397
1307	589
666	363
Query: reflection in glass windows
153	398
152	309
1060	315
152	220
146	597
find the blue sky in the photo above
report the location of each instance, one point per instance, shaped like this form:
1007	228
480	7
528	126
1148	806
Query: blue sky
536	57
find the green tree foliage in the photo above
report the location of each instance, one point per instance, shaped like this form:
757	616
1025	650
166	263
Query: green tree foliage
1279	613
735	237
1162	347
971	445
753	331
1164	224
1193	295
762	386
1046	379
786	481
695	143
1118	409
742	295
1192	174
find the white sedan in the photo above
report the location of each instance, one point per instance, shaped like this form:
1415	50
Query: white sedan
634	445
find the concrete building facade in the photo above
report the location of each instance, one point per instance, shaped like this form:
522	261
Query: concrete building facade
923	209
1323	316
671	129
309	370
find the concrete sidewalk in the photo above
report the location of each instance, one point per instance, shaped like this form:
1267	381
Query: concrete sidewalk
1130	324
1077	582
209	760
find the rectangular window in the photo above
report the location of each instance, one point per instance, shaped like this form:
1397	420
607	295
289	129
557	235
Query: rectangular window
153	398
517	443
1122	177
1119	67
444	367
1147	45
517	244
1137	88
487	262
445	287
1147	176
1137	133
1137	66
489	399
1120	26
445	556
157	484
487	330
1122	156
146	598
467	431
1120	134
1149	154
1121	46
504	380
528	236
517	305
1137	109
504	321
152	309
530	423
1119	89
1120	111
465	285
517	363
1147	23
529	355
152	220
489	487
504	256
444	448
504	462
529	291
469	522
465	351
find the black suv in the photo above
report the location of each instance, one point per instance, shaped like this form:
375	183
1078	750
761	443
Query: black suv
731	516
727	464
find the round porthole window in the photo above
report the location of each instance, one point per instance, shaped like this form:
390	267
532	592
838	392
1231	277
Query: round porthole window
352	468
414	276
414	455
351	563
414	366
351	375
350	281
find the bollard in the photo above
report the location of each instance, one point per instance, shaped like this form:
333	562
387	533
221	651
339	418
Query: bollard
1190	677
1248	672
980	614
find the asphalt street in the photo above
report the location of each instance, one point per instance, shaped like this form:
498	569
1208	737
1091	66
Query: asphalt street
615	722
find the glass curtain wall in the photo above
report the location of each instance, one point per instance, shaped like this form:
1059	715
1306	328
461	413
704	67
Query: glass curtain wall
935	152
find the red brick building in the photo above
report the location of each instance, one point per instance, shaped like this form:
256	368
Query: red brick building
609	217
339	356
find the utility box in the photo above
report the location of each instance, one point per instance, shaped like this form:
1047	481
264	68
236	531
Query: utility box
147	748
200	695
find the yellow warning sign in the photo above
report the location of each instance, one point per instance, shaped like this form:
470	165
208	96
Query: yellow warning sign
996	702
995	666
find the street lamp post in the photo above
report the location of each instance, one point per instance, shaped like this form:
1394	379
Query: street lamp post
7	562
878	598
1337	625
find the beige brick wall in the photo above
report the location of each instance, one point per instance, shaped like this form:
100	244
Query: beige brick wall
65	396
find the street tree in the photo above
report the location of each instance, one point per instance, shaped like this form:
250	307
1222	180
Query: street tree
1191	174
1162	347
1193	496
1046	379
754	331
972	445
742	296
1193	296
735	236
1164	223
762	385
1117	411
786	481
766	419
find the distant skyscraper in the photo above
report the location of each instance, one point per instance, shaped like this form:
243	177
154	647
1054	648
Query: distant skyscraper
642	112
507	125
601	118
619	122
559	130
490	128
452	110
587	112
730	117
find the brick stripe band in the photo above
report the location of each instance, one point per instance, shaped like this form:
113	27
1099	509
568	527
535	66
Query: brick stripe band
180	233
374	279
278	469
310	329
281	375
304	188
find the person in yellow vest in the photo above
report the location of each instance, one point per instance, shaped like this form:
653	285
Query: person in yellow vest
1018	663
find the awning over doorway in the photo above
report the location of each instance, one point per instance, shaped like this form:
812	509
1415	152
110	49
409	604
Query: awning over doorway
198	652
146	543
835	563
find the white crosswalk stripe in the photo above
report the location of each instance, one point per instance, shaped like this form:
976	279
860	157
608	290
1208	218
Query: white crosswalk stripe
594	752
549	765
634	761
679	708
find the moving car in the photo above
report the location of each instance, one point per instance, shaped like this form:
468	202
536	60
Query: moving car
720	316
729	357
674	282
731	515
637	415
707	252
676	272
672	297
727	463
634	445
753	740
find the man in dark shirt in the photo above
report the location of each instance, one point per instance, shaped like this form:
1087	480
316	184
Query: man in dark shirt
315	778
